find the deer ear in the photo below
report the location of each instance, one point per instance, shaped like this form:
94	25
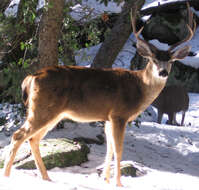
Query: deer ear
180	53
144	49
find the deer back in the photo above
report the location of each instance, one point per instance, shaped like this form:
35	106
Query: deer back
84	93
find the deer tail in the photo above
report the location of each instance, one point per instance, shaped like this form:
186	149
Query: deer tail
25	86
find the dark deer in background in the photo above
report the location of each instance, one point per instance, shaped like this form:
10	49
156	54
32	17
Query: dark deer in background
171	100
86	95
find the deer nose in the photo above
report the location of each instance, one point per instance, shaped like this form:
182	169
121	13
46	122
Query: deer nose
163	73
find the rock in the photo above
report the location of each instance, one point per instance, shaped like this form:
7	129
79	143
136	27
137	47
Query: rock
185	75
167	26
2	121
99	141
128	168
58	152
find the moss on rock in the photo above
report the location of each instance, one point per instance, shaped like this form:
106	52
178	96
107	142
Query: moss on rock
128	168
1	163
59	152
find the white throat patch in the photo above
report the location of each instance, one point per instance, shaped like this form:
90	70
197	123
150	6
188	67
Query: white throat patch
156	73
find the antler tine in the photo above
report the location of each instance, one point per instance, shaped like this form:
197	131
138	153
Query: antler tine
133	22
191	27
192	22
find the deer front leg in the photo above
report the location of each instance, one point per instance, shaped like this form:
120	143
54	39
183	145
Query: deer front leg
160	114
109	153
118	130
172	119
34	144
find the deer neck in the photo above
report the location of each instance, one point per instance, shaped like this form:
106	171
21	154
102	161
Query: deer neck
152	83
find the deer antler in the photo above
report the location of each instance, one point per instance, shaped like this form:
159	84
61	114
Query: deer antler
133	22
142	45
191	26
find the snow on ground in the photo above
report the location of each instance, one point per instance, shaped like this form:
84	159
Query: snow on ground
169	154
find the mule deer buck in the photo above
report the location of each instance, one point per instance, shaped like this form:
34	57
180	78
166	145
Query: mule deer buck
87	94
171	100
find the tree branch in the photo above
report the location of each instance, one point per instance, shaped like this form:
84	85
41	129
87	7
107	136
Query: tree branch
117	37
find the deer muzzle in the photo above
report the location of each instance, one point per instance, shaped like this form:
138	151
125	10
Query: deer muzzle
164	73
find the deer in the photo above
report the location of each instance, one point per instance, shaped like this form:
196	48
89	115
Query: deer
82	94
172	99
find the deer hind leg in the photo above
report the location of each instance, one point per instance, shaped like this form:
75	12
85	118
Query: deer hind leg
117	138
171	116
34	144
17	139
172	119
42	124
160	114
183	116
109	153
33	130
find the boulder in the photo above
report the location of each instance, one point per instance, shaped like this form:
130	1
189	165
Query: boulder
167	27
128	168
59	152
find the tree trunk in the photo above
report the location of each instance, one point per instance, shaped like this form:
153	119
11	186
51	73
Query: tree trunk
49	32
4	4
117	37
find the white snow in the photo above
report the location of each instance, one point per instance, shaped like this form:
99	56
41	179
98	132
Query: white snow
94	9
41	3
154	3
12	9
